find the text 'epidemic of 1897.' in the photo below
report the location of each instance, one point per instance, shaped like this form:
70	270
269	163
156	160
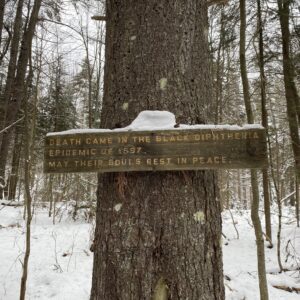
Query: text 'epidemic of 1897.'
181	149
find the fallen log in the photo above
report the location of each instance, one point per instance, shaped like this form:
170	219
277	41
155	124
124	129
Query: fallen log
287	288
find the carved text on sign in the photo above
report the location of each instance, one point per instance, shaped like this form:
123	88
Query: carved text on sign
180	149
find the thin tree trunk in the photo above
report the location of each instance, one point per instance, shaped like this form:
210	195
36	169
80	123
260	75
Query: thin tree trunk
228	196
219	73
243	62
267	208
279	193
53	200
279	235
9	89
50	194
239	187
14	175
291	182
27	196
148	242
276	182
297	200
18	90
2	7
17	148
4	47
34	111
90	98
85	39
12	65
263	288
28	224
264	118
98	78
291	95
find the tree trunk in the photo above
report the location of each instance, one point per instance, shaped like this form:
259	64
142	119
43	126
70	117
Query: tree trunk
297	201
28	205
4	43
157	233
277	186
243	63
263	288
14	49
220	72
19	136
239	189
264	120
2	7
98	95
8	86
18	90
267	206
292	98
14	175
50	193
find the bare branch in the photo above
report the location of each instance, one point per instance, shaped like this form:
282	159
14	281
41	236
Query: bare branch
11	125
99	18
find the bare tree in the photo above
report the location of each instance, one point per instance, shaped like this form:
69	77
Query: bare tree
27	187
254	181
264	118
291	95
17	89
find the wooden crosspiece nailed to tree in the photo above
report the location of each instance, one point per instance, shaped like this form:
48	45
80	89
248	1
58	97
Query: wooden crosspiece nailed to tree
198	147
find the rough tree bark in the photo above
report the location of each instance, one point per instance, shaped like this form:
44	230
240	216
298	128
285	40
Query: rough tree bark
157	233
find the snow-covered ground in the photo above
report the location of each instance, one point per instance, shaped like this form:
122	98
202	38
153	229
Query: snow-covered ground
240	263
61	262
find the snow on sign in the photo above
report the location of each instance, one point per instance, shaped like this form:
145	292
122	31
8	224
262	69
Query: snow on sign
129	149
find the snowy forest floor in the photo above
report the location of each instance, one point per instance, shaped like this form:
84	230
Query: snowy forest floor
60	265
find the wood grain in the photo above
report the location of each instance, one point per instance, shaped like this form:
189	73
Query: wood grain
191	149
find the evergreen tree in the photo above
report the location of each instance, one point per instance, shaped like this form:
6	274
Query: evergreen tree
82	83
57	111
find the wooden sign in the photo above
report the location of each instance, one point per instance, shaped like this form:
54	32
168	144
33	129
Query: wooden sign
179	149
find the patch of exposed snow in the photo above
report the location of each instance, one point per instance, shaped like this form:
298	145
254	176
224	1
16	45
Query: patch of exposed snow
152	120
149	120
66	245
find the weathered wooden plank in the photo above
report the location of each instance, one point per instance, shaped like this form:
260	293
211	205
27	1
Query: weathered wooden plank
123	151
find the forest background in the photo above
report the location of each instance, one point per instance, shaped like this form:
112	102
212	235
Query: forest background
51	79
